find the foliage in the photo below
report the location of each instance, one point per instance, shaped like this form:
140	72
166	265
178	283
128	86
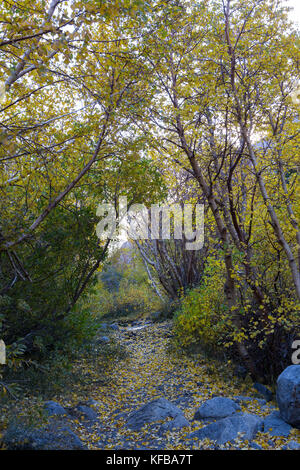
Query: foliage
222	111
128	98
204	319
203	315
123	290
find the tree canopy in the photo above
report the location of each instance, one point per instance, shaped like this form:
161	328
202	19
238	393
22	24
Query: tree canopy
133	98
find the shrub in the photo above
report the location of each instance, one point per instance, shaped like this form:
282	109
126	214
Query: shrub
204	319
203	314
130	300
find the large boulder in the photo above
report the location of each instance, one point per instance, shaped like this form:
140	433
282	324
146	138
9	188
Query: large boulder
276	426
288	395
19	437
216	408
228	429
156	410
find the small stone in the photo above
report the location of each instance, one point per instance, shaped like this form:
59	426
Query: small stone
102	340
54	408
86	412
240	371
264	391
240	399
255	446
293	445
92	402
177	423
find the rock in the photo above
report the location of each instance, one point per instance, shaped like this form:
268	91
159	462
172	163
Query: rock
293	445
119	416
177	423
240	399
154	411
216	408
155	316
54	408
114	326
288	395
240	371
86	412
18	437
276	426
227	429
92	402
184	400
264	391
255	446
102	340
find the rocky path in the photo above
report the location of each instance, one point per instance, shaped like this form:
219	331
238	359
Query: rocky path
154	396
152	372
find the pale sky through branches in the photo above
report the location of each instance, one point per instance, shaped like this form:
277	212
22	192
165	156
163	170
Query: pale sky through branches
295	15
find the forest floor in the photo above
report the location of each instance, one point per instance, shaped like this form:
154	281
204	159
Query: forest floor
153	369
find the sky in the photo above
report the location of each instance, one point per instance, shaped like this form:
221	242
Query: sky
295	15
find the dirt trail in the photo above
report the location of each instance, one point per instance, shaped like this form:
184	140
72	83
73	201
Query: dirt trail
150	372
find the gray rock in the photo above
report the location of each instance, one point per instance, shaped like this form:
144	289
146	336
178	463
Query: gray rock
54	408
293	445
216	408
86	412
288	395
103	340
276	426
154	411
255	446
264	391
227	429
120	416
240	399
177	423
92	402
18	437
184	400
240	371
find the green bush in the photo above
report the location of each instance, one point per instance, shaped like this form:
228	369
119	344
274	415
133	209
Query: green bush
37	318
203	315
